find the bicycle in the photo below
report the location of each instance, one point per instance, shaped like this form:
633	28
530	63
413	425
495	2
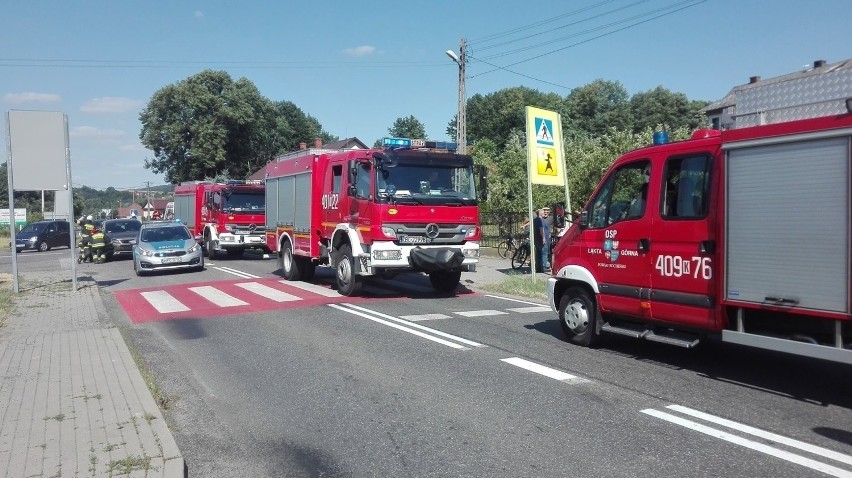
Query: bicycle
507	247
521	255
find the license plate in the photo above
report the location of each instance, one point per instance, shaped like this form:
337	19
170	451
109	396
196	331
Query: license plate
170	260
412	239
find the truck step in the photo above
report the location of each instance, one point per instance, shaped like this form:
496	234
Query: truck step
673	338
623	330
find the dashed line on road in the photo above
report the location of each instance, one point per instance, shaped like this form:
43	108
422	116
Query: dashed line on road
540	369
754	445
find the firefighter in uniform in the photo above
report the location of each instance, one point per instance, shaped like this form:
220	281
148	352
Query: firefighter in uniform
98	245
86	230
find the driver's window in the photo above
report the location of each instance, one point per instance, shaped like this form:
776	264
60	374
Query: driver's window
622	197
362	180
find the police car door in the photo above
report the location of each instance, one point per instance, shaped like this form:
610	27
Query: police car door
683	243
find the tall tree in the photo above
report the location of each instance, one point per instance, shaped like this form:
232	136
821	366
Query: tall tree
598	106
663	107
207	124
408	127
498	115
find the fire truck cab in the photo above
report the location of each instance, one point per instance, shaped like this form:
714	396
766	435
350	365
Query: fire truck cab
375	212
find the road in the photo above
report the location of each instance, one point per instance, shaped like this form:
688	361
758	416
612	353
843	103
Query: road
407	382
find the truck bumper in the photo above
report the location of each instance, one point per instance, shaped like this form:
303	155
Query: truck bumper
242	241
389	256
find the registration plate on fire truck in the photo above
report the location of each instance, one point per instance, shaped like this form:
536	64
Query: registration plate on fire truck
412	240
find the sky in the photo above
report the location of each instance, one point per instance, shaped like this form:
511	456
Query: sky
358	66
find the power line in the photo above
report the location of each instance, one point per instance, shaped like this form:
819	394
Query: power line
592	38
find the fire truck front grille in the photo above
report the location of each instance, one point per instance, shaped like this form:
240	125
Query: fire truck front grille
447	234
247	228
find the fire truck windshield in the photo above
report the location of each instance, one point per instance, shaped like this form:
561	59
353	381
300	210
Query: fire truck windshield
417	183
239	201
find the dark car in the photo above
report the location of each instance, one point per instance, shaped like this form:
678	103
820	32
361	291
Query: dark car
43	235
121	234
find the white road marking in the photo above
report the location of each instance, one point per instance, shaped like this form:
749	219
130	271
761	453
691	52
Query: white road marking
530	310
539	369
816	450
481	313
268	292
217	297
513	300
418	326
313	288
244	275
399	327
418	318
751	444
164	302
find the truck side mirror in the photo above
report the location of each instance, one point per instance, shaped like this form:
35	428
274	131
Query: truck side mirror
584	219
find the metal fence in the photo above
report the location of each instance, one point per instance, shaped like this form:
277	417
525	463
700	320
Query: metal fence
497	225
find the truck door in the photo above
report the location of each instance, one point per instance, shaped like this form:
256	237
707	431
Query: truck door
615	242
683	244
331	198
360	190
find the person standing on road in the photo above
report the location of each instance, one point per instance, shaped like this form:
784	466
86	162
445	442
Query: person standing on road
98	245
547	219
86	230
538	237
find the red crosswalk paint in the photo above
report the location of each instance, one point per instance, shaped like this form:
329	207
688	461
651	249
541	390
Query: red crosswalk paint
221	298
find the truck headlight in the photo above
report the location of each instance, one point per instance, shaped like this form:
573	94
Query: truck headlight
388	232
394	255
471	233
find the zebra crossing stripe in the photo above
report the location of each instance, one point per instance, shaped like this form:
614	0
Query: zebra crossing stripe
313	288
217	297
529	310
164	302
268	292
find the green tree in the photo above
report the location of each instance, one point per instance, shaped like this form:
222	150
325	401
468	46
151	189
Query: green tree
208	123
498	115
661	106
598	106
408	127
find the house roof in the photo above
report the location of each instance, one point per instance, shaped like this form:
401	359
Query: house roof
818	68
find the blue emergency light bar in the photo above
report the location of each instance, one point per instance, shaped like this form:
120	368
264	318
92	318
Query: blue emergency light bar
418	143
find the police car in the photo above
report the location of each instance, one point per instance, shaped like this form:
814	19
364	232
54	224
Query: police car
166	246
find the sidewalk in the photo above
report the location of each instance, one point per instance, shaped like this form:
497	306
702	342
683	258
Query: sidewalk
72	400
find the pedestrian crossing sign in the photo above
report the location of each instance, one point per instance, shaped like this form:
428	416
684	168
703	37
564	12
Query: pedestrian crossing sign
545	156
544	131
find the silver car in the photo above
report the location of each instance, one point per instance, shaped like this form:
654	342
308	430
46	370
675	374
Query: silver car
166	246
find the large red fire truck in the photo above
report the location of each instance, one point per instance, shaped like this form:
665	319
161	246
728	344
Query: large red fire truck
410	206
741	234
224	216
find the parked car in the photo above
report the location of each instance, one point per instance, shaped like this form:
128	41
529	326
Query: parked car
166	246
43	235
121	234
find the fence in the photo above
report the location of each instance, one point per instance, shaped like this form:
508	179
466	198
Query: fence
496	225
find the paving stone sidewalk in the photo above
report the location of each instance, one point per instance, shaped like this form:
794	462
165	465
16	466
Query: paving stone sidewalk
72	400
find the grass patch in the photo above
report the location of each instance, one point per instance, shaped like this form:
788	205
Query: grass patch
163	400
6	303
520	285
129	465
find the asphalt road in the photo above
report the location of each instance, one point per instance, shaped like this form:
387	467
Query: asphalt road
412	383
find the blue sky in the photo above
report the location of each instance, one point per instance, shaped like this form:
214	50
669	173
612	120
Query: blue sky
358	66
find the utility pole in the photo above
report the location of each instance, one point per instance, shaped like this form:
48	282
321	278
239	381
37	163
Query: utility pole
148	199
461	118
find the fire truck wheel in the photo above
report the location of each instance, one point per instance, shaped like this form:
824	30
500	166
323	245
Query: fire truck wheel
578	313
445	281
211	252
348	282
290	265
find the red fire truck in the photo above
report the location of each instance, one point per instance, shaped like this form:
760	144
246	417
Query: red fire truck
410	206
227	216
742	234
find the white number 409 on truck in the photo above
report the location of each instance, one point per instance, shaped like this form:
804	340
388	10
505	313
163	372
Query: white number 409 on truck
741	234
